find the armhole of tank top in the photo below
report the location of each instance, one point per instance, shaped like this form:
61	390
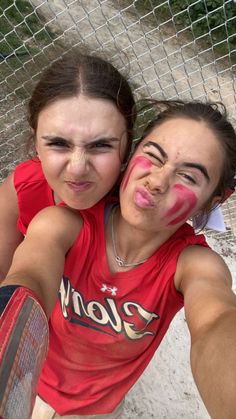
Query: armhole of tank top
108	208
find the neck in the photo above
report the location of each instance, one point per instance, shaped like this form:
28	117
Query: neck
56	198
131	244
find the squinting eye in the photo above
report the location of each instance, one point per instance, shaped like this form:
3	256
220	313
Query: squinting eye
154	156
58	143
100	145
103	145
188	178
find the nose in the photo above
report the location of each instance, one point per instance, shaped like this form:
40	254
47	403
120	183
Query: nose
78	163
159	179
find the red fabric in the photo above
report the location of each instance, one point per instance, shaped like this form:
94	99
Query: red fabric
32	190
10	315
106	327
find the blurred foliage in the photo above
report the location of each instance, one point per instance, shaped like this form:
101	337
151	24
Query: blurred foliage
214	21
21	28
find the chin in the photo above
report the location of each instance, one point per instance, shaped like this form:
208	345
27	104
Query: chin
84	206
133	217
79	205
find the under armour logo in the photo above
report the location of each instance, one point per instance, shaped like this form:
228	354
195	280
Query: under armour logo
105	288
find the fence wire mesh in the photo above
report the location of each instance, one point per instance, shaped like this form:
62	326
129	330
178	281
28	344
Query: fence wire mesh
169	49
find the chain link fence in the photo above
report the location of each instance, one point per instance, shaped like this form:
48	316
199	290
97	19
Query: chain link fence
168	49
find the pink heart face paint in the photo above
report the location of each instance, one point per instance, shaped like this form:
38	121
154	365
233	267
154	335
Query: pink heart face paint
141	161
184	203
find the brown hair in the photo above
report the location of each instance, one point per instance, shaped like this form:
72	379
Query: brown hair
214	115
90	75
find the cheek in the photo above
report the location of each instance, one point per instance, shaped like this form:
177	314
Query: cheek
138	161
123	146
184	202
107	166
52	164
38	145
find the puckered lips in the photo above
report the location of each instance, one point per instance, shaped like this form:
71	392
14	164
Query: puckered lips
79	186
143	198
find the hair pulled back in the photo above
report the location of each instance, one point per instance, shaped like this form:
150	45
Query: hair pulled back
79	73
214	115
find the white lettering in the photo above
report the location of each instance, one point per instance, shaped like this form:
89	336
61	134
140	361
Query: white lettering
65	296
107	314
147	316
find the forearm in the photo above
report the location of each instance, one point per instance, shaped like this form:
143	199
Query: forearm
24	279
39	269
213	362
8	245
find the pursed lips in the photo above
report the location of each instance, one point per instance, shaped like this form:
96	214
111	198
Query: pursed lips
79	186
143	198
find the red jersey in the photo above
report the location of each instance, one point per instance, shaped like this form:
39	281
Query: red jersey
106	327
33	191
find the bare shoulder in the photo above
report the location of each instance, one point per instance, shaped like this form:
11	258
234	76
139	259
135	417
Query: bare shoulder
8	197
9	234
58	224
204	279
58	213
199	261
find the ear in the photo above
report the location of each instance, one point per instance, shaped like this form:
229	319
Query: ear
216	200
209	206
37	153
35	143
219	199
200	219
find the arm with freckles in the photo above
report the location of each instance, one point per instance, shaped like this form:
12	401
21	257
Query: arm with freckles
10	236
210	308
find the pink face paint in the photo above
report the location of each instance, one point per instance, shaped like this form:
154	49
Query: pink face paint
184	204
136	161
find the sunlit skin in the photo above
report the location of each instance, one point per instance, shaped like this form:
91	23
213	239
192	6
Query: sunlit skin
81	143
136	161
185	199
171	176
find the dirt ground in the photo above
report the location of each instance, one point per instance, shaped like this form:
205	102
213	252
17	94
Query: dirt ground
166	390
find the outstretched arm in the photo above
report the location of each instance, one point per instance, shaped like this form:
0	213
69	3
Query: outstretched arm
39	260
36	271
210	308
10	236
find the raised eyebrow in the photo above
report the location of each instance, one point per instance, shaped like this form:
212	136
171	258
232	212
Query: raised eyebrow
200	167
158	147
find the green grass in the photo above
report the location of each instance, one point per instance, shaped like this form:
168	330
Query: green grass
22	28
24	34
212	23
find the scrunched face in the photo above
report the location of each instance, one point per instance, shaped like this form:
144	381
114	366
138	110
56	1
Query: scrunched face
172	175
81	143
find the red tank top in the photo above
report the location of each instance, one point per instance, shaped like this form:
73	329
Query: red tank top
106	327
33	192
